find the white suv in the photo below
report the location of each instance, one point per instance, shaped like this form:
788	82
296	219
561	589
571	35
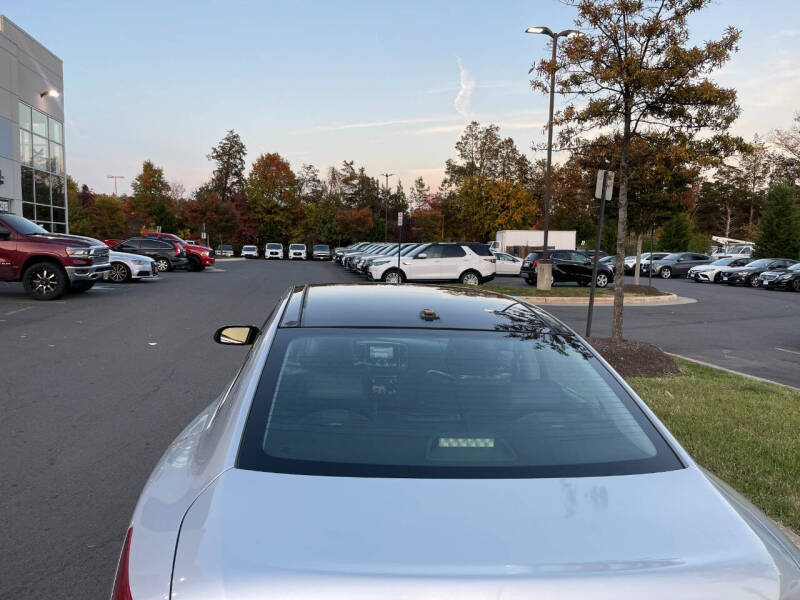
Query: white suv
273	250
297	251
469	263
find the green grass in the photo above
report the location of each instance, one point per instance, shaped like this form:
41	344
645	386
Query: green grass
556	292
744	431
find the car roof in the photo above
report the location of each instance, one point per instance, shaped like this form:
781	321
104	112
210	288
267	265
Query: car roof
417	306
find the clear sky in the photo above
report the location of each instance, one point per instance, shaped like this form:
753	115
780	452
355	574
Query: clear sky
387	84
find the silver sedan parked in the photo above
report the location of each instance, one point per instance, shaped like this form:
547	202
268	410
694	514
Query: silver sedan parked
454	444
131	267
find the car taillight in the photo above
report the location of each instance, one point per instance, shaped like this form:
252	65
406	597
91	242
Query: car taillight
122	584
536	263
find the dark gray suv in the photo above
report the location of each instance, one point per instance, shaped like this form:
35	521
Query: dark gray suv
678	263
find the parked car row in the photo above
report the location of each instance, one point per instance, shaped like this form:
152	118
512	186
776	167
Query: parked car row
470	263
773	273
274	250
50	265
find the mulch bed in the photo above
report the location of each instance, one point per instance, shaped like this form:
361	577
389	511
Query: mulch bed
644	290
635	359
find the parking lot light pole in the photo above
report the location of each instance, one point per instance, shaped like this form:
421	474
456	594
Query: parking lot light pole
544	270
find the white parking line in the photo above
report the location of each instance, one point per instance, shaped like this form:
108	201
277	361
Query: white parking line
19	310
781	349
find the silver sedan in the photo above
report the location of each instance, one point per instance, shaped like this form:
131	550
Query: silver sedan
454	444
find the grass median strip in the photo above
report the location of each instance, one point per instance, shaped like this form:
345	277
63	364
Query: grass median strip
744	431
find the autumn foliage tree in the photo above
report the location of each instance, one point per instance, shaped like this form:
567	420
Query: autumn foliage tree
635	68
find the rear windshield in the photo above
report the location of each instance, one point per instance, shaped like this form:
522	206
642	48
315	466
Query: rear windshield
480	249
443	403
274	246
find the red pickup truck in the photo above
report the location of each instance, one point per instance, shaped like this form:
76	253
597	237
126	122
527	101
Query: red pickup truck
199	257
49	264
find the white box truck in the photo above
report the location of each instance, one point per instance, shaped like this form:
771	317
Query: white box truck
521	241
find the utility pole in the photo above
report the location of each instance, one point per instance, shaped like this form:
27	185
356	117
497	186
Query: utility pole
386	207
115	178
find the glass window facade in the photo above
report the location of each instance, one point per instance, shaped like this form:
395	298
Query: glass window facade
41	141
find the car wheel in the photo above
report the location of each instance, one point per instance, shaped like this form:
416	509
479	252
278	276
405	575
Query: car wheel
796	285
665	272
393	276
470	278
754	281
195	264
81	286
717	277
44	281
163	264
602	280
120	273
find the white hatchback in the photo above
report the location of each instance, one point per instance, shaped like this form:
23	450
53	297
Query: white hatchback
250	251
468	263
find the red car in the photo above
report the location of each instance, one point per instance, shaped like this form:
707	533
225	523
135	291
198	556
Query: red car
49	264
199	257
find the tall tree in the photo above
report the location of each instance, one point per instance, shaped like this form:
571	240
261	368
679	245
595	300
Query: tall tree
755	166
788	140
780	224
636	69
151	203
220	218
228	158
272	195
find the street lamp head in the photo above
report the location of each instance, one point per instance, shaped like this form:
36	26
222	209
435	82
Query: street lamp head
544	30
570	33
51	93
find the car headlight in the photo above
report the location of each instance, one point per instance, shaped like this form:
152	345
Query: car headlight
140	262
784	277
78	252
378	263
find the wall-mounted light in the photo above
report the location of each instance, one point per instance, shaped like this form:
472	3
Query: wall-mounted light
51	93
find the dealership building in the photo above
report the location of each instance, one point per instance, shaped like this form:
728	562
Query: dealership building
32	174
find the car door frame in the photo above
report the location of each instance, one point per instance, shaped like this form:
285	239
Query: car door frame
9	263
431	269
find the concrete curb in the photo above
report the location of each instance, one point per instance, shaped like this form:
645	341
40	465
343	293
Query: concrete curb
731	371
604	300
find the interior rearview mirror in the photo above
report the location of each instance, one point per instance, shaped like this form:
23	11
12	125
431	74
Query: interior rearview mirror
423	255
236	335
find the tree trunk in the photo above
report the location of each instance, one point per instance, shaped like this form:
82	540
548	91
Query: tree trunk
728	221
639	238
622	229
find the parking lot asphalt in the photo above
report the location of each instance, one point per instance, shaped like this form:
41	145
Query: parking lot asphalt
95	386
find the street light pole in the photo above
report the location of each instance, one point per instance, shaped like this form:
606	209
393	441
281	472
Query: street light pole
115	178
386	207
544	270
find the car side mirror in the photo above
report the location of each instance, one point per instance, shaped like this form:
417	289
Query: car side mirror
680	259
236	335
4	234
423	255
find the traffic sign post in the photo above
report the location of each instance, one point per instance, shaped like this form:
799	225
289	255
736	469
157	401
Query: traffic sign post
603	191
399	241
